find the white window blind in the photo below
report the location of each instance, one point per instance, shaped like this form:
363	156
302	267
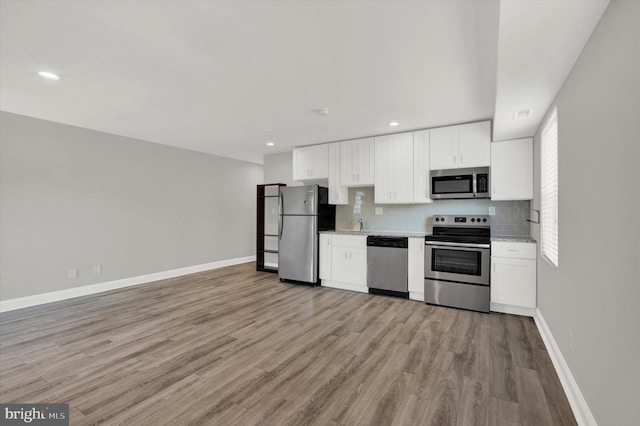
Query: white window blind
549	188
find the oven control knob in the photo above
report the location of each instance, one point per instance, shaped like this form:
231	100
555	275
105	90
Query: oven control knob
473	220
437	219
442	219
484	220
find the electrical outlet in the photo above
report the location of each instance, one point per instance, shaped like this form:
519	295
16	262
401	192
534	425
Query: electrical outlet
492	211
73	274
97	269
378	211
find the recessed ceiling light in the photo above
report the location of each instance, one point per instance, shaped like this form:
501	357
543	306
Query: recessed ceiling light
393	124
322	111
270	144
48	75
522	114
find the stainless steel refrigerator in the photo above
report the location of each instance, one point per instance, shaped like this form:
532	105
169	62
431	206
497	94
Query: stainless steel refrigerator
304	210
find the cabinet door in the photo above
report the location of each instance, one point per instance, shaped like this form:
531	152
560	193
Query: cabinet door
365	158
340	264
443	148
383	185
513	282
416	268
474	142
311	162
512	170
402	167
318	161
421	181
357	162
347	166
325	256
338	194
300	164
394	168
357	266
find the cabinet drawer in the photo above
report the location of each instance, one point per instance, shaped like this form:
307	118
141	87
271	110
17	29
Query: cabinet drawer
354	241
514	250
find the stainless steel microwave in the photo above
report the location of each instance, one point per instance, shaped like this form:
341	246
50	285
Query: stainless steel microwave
460	183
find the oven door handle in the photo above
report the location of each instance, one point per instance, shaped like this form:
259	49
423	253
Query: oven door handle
447	244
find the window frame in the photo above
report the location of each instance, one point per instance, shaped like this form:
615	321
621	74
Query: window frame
549	188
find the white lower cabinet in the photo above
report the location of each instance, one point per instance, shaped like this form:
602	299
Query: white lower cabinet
416	269
513	278
343	262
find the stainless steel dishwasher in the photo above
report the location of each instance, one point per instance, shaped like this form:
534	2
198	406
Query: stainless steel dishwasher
387	266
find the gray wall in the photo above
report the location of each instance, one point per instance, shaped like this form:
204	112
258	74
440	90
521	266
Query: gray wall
595	291
73	198
278	168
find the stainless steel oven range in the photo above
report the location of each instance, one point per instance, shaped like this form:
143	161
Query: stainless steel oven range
457	262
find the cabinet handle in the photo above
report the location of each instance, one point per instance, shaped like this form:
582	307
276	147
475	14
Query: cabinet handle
395	195
311	172
494	188
358	177
462	158
350	255
455	159
353	177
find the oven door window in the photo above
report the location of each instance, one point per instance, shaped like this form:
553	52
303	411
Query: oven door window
457	261
462	184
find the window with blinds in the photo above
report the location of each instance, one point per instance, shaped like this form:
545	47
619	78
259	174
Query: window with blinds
549	188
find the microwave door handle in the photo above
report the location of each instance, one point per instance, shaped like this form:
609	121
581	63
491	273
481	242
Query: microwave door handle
475	185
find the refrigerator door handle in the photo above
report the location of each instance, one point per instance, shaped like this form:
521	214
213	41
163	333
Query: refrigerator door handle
281	221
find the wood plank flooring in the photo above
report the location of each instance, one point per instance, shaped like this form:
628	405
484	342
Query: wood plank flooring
236	346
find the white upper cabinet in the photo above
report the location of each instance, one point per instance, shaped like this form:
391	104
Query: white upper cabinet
394	168
357	162
421	181
444	148
512	170
466	145
311	162
338	194
474	144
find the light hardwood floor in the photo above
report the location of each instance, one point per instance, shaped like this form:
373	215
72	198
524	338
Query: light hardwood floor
236	346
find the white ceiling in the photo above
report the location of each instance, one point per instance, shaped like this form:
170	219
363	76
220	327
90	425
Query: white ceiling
225	77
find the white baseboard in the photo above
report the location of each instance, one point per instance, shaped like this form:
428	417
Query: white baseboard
510	309
55	296
581	410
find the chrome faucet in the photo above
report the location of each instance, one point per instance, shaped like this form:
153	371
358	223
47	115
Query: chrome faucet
361	224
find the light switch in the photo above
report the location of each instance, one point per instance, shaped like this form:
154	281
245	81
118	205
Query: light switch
492	211
378	210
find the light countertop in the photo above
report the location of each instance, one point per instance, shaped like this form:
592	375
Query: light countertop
512	239
369	232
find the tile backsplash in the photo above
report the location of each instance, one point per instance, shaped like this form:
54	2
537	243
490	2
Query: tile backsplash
510	218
